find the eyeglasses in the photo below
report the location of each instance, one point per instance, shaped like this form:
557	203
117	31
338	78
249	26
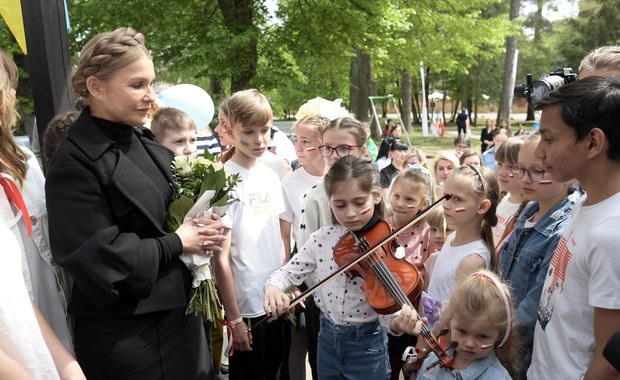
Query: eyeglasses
341	150
535	174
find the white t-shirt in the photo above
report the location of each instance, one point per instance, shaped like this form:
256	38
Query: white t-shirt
584	273
256	245
383	162
20	335
294	186
443	277
505	211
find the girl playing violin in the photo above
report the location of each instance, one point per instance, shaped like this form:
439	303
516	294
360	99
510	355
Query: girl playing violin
480	319
352	338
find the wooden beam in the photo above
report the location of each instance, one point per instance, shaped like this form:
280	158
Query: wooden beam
48	59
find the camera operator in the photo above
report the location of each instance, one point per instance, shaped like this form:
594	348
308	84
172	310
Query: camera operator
580	307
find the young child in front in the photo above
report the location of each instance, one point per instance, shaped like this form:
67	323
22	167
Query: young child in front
480	319
507	155
410	193
175	130
255	247
471	212
526	255
352	337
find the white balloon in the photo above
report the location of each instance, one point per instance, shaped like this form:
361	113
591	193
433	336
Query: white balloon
192	100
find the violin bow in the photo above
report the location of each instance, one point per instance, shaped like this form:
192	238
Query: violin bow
313	289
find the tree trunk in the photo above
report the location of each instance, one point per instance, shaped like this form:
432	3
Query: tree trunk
359	87
505	99
238	18
405	94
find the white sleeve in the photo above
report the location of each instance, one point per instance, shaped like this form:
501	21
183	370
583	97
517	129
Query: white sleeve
603	261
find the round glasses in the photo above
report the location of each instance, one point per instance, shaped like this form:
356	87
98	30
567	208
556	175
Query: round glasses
535	174
341	150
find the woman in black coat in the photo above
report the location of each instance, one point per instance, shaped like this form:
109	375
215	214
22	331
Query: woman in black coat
108	189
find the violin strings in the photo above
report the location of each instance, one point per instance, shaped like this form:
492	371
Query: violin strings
398	294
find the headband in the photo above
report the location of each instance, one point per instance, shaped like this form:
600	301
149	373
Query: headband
506	304
427	173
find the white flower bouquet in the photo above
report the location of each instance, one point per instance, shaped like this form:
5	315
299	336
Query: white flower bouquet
202	186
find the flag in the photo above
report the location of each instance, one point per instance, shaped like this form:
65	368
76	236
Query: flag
434	124
442	127
11	11
424	110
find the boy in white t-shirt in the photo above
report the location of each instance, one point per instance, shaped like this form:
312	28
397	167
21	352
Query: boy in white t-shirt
580	304
255	248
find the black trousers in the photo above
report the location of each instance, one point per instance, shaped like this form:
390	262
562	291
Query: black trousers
165	345
265	359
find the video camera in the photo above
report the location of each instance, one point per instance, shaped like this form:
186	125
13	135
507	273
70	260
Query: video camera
535	91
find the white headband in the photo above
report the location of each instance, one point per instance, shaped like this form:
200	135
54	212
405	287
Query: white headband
506	304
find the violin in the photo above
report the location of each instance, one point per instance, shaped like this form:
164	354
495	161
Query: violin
383	240
389	282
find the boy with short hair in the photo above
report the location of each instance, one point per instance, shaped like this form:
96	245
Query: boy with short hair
175	130
580	304
255	247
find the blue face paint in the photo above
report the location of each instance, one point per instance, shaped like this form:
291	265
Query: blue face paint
244	143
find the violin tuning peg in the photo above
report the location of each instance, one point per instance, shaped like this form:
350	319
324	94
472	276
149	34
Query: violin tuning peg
443	332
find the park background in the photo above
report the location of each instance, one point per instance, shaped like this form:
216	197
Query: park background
295	50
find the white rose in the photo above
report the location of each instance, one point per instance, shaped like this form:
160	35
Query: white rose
183	165
217	166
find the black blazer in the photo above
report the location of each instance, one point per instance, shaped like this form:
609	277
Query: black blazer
106	221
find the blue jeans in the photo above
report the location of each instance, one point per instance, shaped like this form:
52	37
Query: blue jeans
352	351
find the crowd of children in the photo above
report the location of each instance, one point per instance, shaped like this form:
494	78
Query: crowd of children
515	266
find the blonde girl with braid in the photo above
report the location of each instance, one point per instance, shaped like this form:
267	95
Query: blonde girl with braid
471	212
108	189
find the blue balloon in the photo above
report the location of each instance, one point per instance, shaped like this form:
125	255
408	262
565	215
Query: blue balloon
192	100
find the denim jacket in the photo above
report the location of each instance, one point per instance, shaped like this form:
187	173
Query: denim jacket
487	368
526	255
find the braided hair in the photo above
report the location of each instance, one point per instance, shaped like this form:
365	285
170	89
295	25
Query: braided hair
105	54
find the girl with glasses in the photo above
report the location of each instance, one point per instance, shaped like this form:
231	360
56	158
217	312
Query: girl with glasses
527	253
340	138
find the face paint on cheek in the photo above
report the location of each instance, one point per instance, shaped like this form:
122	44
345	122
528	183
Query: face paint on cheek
412	206
366	211
459	209
486	346
312	148
545	182
245	144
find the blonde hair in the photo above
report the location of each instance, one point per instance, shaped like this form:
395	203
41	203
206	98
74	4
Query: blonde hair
248	108
604	57
485	187
447	156
419	176
171	119
316	122
483	294
12	157
105	54
419	154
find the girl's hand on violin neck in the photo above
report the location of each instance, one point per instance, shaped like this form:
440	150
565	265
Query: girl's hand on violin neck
407	321
276	302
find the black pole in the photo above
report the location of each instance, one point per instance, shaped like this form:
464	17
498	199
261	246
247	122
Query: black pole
48	59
